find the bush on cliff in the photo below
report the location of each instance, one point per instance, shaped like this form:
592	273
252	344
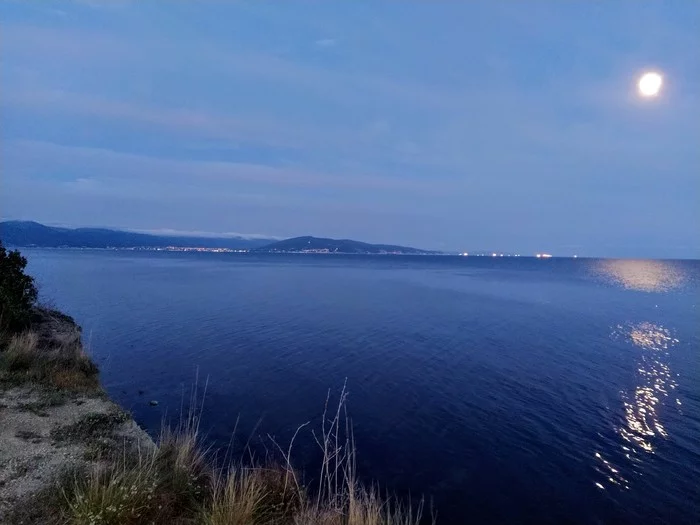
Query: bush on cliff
17	292
37	344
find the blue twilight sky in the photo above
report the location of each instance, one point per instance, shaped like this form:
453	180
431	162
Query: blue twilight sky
450	125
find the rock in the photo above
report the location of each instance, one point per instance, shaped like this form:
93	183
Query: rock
153	403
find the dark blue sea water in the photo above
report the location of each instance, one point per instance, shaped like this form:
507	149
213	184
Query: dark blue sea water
507	390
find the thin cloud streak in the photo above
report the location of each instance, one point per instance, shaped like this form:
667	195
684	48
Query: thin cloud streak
23	155
325	42
192	122
168	232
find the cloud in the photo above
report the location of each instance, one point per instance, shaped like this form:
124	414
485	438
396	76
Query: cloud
84	185
30	43
445	123
375	143
260	129
35	157
56	12
325	42
448	128
169	232
380	156
89	49
103	4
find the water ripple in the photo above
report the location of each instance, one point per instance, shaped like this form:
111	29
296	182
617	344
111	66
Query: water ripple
642	425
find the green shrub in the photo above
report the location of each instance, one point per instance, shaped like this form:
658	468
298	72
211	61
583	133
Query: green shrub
17	292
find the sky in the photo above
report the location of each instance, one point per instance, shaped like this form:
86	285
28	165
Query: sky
481	125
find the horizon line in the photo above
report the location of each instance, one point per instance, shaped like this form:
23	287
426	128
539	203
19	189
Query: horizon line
495	254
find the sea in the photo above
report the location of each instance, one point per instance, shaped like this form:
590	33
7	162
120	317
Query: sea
497	390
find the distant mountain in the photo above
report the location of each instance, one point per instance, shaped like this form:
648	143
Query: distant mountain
29	233
319	245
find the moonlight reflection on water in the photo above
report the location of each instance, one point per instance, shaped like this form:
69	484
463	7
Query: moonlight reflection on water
644	276
641	425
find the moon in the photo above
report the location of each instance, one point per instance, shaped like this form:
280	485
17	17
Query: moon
650	84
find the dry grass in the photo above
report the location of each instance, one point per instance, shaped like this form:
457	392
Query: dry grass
362	507
177	484
60	362
185	471
21	351
238	499
122	494
340	498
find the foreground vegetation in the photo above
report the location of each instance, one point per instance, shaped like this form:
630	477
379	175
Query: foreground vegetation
179	481
55	360
38	345
17	292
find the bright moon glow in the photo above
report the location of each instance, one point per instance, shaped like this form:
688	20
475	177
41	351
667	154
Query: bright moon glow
650	84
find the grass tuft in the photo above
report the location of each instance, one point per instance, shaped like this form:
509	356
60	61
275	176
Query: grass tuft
238	499
185	471
60	363
177	483
21	352
122	494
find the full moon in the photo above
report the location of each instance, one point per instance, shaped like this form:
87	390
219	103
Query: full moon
650	84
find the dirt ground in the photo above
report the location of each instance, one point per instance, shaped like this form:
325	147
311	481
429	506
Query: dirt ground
42	436
46	432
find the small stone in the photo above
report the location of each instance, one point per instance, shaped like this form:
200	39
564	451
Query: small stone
153	403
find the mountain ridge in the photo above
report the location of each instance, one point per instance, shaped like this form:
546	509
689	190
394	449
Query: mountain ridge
34	234
31	233
310	244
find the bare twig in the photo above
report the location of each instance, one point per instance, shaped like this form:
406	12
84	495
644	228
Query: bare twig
287	458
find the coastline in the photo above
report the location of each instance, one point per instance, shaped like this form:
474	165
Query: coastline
71	455
50	431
